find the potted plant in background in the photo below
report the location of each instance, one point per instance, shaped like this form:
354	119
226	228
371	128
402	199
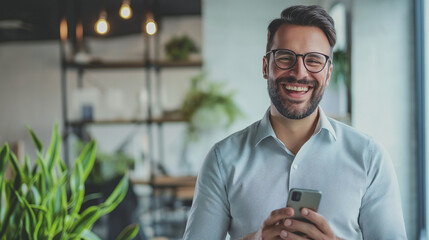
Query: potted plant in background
208	106
341	83
180	48
341	68
44	201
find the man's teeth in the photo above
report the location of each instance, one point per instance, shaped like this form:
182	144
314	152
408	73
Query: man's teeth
297	89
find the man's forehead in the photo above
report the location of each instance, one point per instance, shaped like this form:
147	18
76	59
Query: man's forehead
308	38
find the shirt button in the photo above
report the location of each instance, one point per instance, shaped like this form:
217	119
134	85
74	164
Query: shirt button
295	166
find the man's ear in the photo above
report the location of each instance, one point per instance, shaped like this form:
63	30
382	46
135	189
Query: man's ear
265	67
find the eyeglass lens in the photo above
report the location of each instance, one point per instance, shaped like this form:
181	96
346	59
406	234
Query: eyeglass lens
314	62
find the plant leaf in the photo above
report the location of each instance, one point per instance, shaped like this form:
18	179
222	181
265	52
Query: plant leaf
27	225
88	235
116	197
45	180
37	142
11	207
29	216
26	169
38	225
57	194
18	172
129	232
53	153
4	158
36	196
3	207
85	221
77	189
87	159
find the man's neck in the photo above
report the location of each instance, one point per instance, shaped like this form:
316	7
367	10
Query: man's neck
293	132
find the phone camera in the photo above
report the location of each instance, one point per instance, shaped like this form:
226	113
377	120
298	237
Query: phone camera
296	196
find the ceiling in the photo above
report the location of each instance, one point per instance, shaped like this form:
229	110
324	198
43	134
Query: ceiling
22	20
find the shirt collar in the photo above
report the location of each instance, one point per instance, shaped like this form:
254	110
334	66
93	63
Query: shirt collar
324	123
266	130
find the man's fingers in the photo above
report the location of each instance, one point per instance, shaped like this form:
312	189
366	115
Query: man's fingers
292	236
318	220
305	228
278	215
273	232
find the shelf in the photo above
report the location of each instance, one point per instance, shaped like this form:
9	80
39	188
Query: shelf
79	123
167	181
132	64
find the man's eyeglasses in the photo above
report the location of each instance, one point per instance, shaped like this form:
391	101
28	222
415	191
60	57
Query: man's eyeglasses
285	59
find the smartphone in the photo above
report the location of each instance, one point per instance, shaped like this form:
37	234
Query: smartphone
303	198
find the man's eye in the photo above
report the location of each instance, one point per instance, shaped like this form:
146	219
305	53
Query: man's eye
285	58
313	61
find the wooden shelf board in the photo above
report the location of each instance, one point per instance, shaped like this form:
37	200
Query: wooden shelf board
168	181
129	121
132	64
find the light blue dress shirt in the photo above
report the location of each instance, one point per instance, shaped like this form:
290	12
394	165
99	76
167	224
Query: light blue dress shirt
249	174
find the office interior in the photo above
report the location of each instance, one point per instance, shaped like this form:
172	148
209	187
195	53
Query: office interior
126	90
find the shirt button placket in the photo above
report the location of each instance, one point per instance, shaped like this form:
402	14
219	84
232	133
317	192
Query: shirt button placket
293	174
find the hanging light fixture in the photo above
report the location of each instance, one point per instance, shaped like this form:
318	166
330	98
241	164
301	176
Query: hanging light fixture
151	26
63	30
125	11
102	26
79	35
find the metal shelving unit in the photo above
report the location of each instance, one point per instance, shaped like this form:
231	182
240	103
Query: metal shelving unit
149	65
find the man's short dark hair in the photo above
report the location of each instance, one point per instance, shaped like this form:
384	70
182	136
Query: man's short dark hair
306	16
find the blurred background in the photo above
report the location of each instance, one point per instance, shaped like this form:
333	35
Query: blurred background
158	82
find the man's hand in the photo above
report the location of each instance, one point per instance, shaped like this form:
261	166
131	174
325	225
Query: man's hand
279	226
272	226
320	228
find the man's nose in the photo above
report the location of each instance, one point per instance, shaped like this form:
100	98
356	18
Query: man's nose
299	68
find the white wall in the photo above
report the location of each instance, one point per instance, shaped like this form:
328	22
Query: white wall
29	90
383	84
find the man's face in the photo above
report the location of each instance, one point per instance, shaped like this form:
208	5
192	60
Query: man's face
296	92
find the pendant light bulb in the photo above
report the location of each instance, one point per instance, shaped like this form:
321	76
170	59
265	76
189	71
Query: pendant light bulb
151	26
102	26
126	12
63	30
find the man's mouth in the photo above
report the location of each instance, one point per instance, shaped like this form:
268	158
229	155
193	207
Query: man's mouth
296	88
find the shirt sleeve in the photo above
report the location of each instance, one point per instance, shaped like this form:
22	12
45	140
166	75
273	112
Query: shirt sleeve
381	212
209	217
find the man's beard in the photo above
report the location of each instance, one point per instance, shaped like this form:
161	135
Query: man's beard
285	107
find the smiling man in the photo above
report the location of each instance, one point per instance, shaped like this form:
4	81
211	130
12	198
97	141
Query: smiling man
245	180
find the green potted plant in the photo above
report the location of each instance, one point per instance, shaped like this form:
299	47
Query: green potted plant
341	68
179	48
207	106
107	166
44	201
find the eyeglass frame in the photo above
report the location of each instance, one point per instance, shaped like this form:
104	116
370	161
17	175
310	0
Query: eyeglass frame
328	59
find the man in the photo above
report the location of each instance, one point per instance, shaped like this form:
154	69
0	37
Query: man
245	180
